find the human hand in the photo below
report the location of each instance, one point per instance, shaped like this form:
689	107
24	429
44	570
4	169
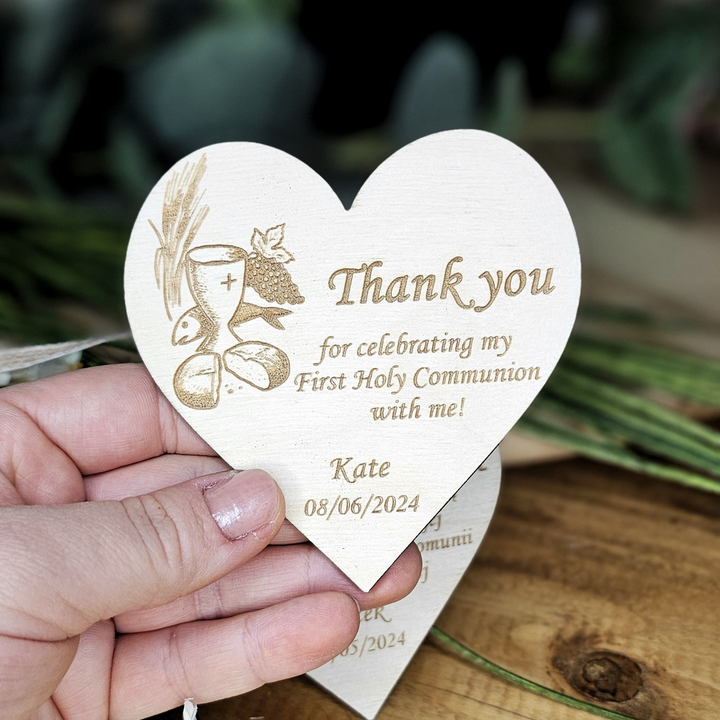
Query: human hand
161	587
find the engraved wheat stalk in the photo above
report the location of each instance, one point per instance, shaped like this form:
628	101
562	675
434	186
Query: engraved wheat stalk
182	216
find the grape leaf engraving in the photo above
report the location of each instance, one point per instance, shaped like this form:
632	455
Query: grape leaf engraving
269	244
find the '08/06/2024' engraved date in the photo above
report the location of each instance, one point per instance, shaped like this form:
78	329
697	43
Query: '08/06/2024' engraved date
374	504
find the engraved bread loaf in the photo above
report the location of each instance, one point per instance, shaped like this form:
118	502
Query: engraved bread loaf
261	365
197	381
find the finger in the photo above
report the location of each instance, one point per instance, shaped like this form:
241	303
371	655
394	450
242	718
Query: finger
157	473
26	684
33	469
289	535
84	692
101	418
48	711
206	661
276	575
150	476
97	560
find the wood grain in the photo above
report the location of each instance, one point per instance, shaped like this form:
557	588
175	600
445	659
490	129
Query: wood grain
580	560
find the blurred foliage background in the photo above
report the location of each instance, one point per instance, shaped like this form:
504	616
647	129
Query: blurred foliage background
99	97
619	100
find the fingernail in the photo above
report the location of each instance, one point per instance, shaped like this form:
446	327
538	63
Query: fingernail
243	503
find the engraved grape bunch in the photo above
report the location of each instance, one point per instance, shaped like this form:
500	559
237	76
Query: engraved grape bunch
271	280
267	273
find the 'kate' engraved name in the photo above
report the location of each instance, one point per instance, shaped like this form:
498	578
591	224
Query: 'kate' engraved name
371	288
352	473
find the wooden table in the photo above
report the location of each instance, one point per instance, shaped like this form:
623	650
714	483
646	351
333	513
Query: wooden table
593	581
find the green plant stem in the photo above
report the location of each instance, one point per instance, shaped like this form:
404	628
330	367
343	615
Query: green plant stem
655	354
611	453
610	430
669	418
694	378
675	449
491	667
636	412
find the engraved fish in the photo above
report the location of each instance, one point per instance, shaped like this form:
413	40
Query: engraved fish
192	325
195	324
247	311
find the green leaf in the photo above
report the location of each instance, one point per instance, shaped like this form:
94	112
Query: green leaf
226	82
643	145
510	99
438	89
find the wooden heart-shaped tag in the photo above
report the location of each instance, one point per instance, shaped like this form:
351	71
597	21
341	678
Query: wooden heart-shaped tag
368	358
364	674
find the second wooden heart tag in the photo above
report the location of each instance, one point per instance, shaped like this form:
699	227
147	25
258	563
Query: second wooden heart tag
364	674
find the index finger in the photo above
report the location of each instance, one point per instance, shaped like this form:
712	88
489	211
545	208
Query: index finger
105	417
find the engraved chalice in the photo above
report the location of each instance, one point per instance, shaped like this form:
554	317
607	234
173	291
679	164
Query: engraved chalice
216	275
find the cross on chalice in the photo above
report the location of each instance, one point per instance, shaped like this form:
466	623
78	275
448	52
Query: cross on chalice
216	276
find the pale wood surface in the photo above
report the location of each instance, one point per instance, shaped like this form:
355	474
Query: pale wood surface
432	313
579	558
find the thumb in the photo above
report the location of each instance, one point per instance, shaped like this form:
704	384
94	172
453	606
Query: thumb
72	565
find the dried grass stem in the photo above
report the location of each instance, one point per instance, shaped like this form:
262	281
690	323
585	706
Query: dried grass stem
182	216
